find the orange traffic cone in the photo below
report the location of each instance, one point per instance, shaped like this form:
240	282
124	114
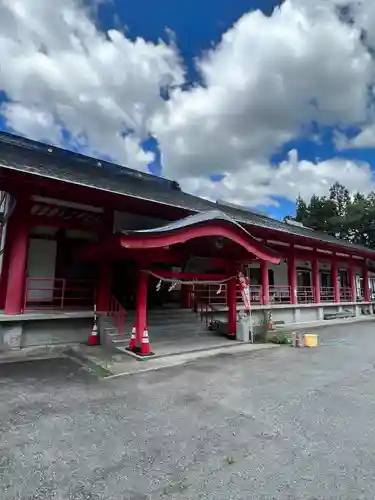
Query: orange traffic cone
145	346
132	339
94	338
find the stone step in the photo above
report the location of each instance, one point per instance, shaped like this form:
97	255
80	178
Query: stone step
163	324
120	342
116	335
164	318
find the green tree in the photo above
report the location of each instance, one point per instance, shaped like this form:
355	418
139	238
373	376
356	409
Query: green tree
302	212
342	215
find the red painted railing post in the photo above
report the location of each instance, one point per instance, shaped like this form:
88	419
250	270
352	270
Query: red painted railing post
265	291
25	295
316	280
19	223
292	275
366	285
63	287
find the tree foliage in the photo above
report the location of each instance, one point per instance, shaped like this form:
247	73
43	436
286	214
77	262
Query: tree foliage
346	216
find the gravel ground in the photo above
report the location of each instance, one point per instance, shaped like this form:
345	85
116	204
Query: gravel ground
277	424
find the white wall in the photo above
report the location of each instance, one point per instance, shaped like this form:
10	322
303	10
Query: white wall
41	263
280	273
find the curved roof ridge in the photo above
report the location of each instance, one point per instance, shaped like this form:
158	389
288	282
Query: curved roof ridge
198	225
190	220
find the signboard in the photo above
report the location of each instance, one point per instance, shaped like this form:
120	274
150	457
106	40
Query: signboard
245	290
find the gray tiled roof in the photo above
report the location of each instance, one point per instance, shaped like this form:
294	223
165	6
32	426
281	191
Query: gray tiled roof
195	219
39	159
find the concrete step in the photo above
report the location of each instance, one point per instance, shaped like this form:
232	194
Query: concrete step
182	332
115	335
163	324
121	342
165	319
173	313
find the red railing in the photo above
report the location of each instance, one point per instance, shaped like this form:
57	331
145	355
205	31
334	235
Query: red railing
210	294
305	295
255	294
280	294
56	293
346	294
118	314
327	294
205	312
360	295
217	296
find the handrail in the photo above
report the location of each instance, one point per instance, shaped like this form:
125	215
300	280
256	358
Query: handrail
58	293
305	294
346	294
280	294
327	294
118	313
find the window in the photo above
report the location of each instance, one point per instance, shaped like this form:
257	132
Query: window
325	280
256	276
344	279
303	278
271	277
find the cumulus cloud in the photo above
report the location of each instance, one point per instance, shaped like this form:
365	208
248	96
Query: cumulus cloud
261	184
59	71
264	83
261	86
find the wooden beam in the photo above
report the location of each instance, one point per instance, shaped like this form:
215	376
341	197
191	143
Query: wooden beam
189	276
40	220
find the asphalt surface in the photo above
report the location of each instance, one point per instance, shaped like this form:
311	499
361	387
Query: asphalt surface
277	424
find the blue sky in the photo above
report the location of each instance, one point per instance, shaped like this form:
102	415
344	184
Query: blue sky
197	27
261	106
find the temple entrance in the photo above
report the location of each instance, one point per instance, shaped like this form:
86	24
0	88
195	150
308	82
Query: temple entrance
124	288
160	264
179	315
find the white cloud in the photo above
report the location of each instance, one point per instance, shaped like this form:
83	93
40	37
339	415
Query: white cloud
32	122
262	85
57	67
365	139
260	184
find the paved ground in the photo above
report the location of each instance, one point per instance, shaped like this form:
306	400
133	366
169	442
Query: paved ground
275	424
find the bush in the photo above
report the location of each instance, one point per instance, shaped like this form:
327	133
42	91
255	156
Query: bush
278	338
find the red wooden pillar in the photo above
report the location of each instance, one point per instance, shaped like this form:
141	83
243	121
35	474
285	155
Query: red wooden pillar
292	276
352	283
316	280
141	312
366	285
186	296
103	285
264	282
18	224
5	267
232	307
335	280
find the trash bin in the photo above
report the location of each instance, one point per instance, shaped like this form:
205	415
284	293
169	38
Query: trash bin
243	329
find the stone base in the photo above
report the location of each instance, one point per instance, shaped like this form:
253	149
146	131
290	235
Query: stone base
19	334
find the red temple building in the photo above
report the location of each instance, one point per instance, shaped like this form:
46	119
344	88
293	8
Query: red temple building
79	232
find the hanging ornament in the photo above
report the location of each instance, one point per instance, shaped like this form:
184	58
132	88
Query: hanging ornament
220	289
158	286
245	290
173	285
